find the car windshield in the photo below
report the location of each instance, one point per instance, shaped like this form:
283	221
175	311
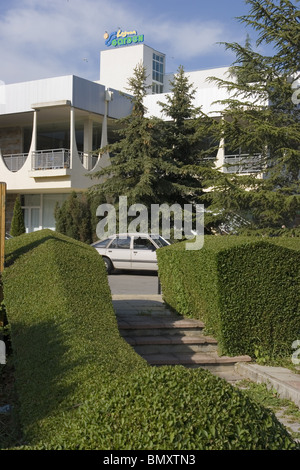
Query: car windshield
160	242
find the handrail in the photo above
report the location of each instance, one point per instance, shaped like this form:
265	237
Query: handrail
15	161
244	163
51	159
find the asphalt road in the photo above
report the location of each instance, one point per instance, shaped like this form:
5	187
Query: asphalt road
133	282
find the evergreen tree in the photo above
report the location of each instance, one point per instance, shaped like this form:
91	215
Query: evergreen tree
73	218
159	161
136	169
17	223
261	117
190	143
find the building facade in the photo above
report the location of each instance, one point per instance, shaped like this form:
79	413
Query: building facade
51	130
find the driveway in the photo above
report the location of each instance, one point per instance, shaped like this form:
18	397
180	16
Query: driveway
133	282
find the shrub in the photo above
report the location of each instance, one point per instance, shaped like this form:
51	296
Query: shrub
81	386
65	338
170	408
17	223
271	232
245	290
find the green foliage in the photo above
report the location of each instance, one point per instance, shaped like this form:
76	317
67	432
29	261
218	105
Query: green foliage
81	386
245	290
171	408
136	165
17	223
76	218
155	161
271	232
64	333
261	117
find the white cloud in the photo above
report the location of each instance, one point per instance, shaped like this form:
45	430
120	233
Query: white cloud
191	39
40	39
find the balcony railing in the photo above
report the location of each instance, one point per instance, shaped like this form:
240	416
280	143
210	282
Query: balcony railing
91	157
52	159
243	163
14	162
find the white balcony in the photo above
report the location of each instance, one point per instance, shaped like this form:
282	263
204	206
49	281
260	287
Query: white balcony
243	164
14	162
53	159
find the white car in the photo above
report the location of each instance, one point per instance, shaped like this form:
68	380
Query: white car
135	251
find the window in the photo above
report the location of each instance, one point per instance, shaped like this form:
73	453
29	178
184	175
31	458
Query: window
159	240
158	73
103	243
141	243
120	243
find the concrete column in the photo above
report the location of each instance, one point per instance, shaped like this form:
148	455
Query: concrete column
108	97
33	146
220	160
104	139
87	144
73	145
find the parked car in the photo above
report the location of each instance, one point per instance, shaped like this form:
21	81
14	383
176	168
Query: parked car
136	251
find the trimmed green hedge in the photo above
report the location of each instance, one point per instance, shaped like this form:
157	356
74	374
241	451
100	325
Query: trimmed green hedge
81	386
163	408
245	290
65	338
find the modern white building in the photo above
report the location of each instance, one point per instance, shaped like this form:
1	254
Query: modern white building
51	130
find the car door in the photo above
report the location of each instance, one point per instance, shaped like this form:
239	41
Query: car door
119	251
144	253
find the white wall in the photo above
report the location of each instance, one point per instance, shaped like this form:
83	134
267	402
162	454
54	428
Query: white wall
117	65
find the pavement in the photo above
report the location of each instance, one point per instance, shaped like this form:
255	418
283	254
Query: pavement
140	292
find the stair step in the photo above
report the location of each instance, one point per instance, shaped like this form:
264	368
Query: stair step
165	339
151	327
209	361
171	343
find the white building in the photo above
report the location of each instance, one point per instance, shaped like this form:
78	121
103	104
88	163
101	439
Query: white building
51	129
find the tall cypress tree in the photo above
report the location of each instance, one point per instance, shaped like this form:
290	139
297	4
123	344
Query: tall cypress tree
73	218
261	116
17	223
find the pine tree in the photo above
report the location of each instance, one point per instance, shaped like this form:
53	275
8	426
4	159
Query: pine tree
17	223
136	167
261	117
189	142
73	218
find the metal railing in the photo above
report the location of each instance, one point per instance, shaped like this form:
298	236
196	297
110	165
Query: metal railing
243	163
92	157
14	162
51	159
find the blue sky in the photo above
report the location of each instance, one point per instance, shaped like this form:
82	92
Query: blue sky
42	38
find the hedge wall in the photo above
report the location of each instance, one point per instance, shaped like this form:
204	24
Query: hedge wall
65	338
81	386
245	290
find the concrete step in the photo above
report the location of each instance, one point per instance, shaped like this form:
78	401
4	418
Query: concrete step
210	361
159	326
161	344
164	338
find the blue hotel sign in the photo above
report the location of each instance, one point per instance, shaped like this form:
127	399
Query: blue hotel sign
122	38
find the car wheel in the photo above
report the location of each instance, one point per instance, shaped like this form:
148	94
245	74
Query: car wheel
108	265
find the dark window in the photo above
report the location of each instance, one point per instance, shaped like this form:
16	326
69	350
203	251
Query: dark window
141	243
121	243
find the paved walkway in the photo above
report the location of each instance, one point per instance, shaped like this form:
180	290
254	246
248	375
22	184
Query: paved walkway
285	382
